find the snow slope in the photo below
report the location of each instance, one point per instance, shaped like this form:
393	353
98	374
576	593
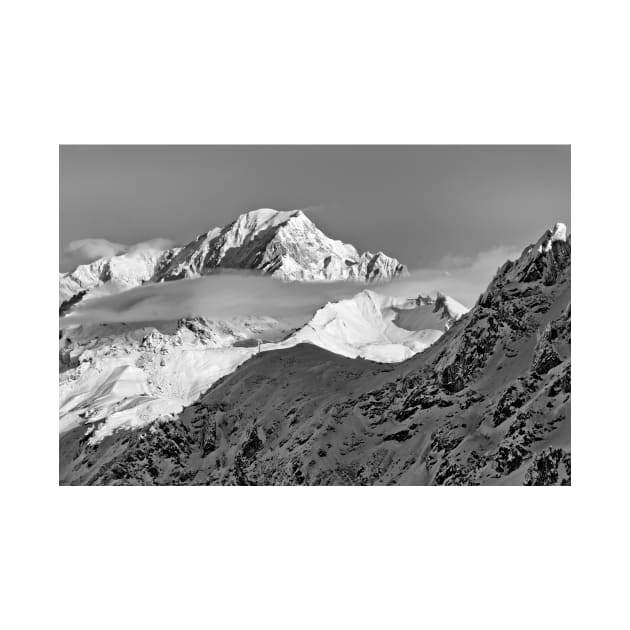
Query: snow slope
287	245
128	376
122	376
377	327
112	275
112	375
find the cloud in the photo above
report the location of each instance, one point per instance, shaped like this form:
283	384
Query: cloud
227	293
454	262
87	250
463	278
217	296
158	244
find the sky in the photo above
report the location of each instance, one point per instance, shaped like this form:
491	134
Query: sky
450	209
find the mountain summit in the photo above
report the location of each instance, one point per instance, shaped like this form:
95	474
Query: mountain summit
378	327
287	245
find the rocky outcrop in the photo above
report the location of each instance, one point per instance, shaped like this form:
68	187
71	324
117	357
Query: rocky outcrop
551	467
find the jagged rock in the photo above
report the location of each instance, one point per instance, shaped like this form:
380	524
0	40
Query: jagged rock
551	467
512	399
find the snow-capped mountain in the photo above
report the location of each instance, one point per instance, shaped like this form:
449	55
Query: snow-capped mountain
130	375
287	245
126	376
378	327
117	273
488	403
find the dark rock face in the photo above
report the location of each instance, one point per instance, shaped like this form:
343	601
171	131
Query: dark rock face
513	398
554	335
142	458
549	265
488	403
551	467
67	305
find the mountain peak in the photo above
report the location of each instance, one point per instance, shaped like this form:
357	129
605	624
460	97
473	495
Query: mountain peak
123	271
546	261
263	216
558	233
285	244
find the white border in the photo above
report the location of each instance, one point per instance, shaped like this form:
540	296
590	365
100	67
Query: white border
278	72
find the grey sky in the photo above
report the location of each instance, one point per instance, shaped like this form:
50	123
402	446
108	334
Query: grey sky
417	203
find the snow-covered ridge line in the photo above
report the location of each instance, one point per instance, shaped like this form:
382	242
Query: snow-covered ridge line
377	327
128	376
120	272
286	245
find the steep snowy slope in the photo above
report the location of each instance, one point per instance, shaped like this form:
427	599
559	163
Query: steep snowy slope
488	403
116	274
120	375
377	327
287	245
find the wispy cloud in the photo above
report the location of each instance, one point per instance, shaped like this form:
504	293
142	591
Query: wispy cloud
238	293
87	250
463	278
218	296
154	243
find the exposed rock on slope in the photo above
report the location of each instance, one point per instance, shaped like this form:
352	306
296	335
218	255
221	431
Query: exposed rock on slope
488	403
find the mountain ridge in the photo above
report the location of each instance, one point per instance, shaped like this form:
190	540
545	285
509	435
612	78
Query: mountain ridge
287	245
488	403
284	244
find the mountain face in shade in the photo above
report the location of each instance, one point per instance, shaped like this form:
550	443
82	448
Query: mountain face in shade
287	245
488	403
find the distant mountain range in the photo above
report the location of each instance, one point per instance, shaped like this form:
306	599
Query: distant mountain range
480	397
286	245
